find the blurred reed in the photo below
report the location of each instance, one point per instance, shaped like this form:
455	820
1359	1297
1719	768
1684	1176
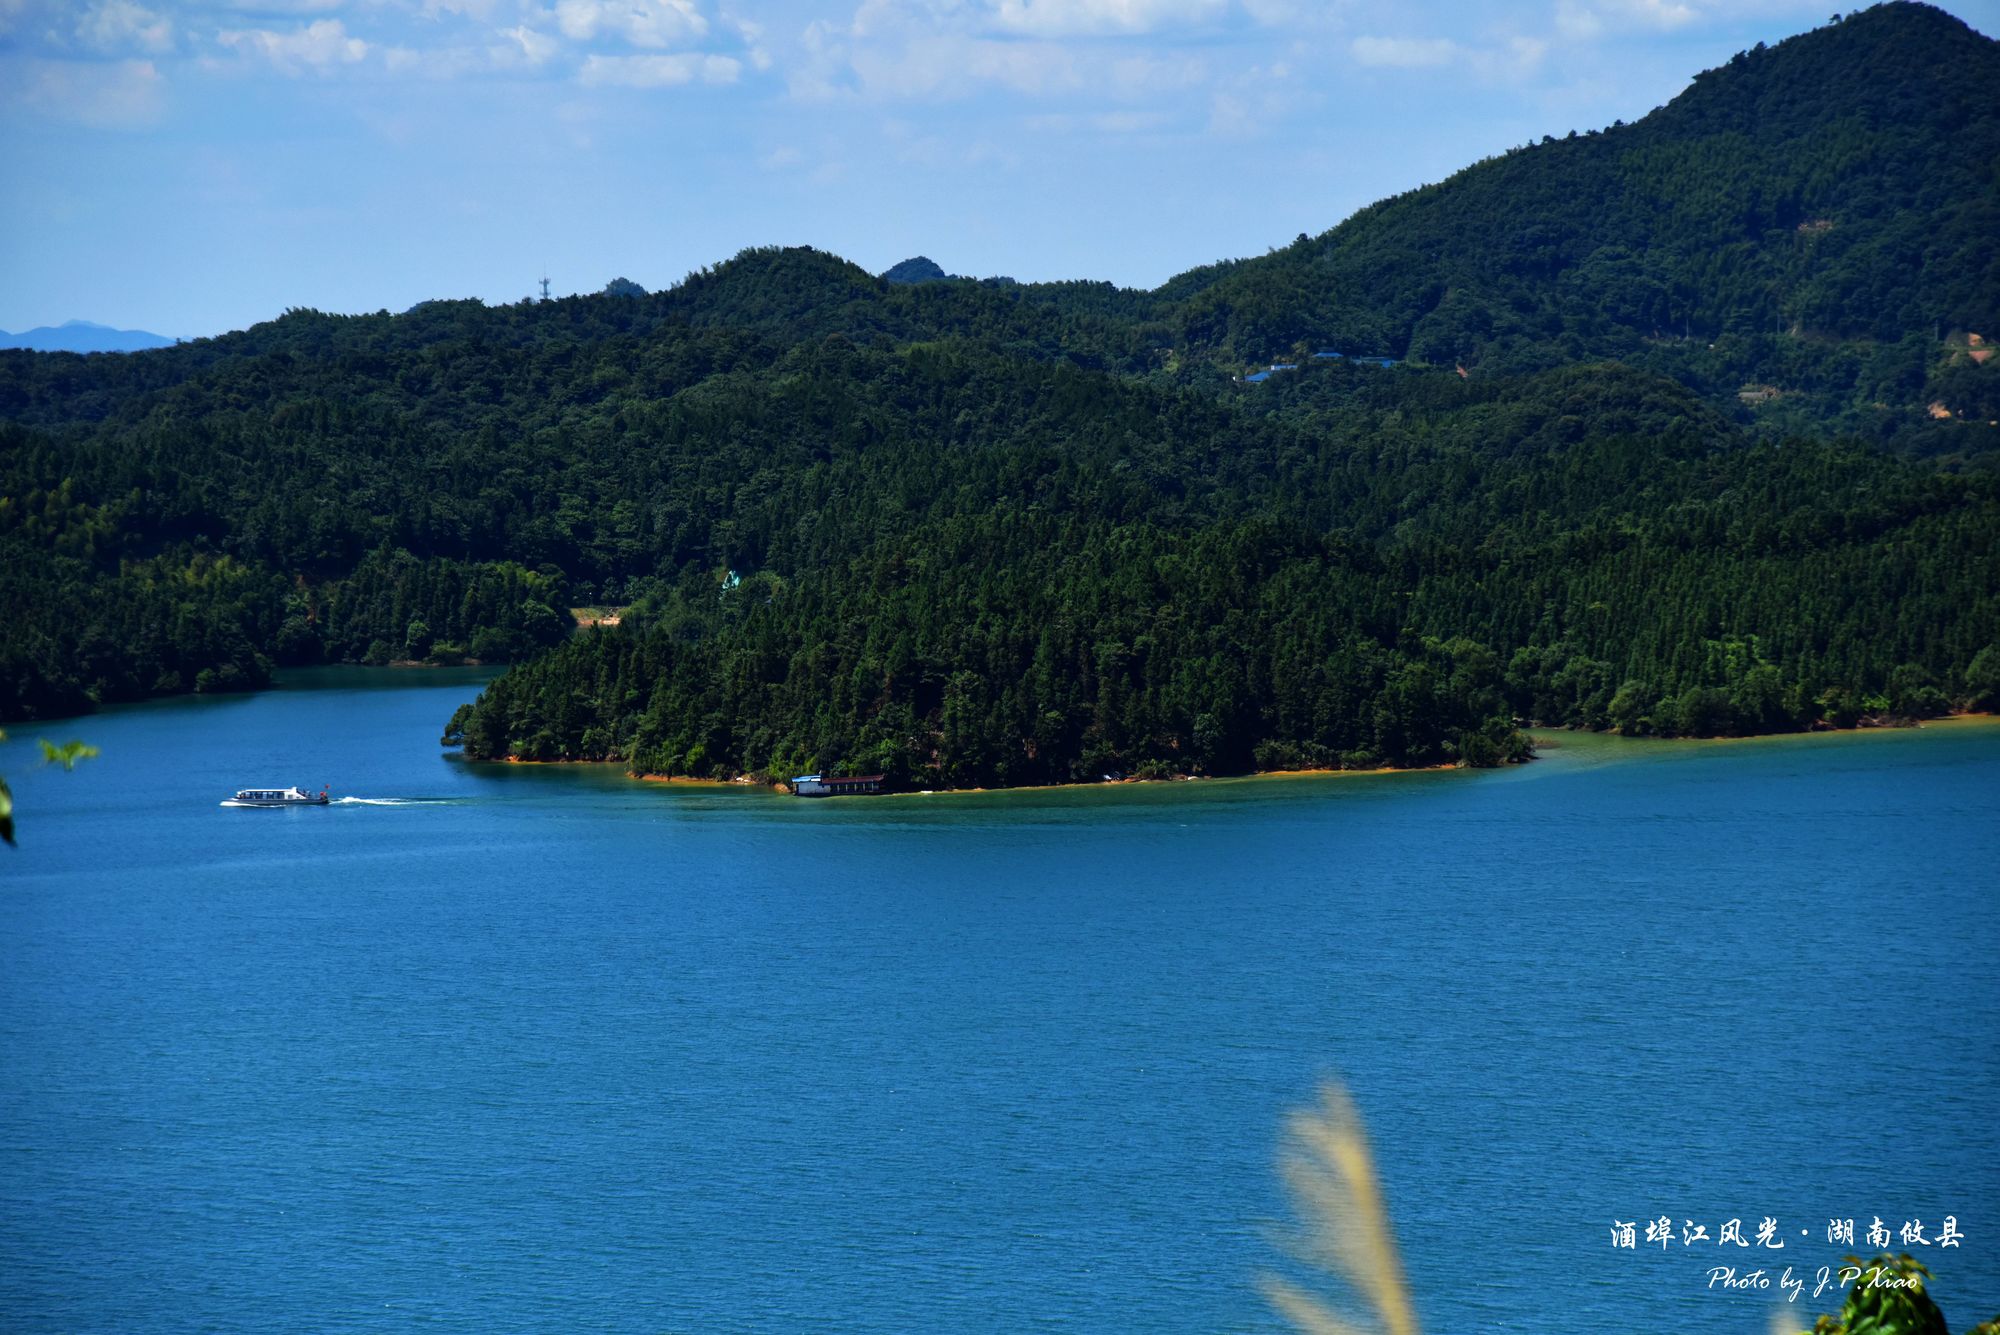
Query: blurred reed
1344	1227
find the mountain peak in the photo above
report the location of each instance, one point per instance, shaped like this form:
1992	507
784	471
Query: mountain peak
83	336
1886	62
917	269
1910	15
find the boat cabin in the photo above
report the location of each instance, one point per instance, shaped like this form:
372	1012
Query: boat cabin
276	797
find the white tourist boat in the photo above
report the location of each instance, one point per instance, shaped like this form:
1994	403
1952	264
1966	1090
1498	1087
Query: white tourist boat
276	797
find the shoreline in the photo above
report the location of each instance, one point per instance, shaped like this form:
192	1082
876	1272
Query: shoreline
1541	737
740	781
783	790
1858	730
405	663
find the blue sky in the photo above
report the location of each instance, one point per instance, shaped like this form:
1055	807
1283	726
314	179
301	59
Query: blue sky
194	167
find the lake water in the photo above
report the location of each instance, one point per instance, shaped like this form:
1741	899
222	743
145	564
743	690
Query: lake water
533	1048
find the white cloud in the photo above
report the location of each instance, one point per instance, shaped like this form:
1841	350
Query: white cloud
954	65
1584	20
289	8
442	63
1504	59
1405	53
1662	14
122	94
320	45
878	16
649	23
1294	14
1064	18
536	47
657	71
752	35
117	25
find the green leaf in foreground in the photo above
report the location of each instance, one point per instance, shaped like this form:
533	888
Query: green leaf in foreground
67	754
1885	1296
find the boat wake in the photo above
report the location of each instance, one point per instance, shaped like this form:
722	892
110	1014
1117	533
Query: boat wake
390	801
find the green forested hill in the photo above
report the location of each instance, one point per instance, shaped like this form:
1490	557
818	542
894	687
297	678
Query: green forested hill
985	532
1395	590
1813	215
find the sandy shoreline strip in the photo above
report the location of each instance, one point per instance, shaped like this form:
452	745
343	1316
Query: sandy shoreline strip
1553	742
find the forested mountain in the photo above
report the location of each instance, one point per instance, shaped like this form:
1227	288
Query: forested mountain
1368	575
1813	215
974	531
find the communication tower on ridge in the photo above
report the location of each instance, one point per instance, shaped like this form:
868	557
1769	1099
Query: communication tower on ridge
545	287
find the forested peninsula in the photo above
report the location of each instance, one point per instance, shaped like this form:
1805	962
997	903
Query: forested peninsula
1685	427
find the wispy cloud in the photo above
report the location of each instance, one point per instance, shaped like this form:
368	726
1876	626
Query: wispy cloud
752	36
647	23
1099	122
1658	15
665	71
536	47
954	65
481	10
284	8
1593	19
1405	53
1063	18
899	49
122	94
1259	101
319	45
1506	58
121	25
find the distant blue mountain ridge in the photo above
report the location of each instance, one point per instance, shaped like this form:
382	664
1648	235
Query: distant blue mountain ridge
83	336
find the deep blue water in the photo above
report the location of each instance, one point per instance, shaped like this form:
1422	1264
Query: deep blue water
548	1049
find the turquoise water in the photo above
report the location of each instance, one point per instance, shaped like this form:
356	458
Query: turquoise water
539	1048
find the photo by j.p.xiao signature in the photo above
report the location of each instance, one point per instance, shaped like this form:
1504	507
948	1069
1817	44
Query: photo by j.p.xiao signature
1789	1281
1790	1284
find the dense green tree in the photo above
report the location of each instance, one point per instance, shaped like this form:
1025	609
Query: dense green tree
1982	679
987	532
